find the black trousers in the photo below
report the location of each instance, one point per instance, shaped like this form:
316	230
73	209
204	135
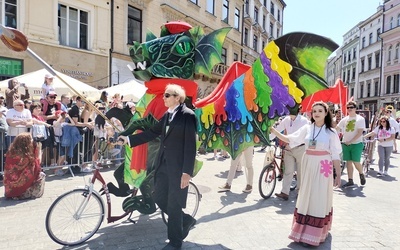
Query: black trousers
166	192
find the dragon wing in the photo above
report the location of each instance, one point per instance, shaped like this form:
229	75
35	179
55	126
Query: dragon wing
240	111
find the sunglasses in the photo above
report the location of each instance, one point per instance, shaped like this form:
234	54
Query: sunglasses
383	121
52	97
167	95
19	105
351	107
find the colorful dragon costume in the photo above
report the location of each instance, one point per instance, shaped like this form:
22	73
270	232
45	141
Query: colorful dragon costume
239	111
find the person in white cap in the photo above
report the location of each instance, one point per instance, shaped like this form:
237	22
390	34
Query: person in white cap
47	85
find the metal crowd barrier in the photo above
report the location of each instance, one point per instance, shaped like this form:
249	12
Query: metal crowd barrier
82	156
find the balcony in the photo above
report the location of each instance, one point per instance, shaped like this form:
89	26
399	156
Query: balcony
219	69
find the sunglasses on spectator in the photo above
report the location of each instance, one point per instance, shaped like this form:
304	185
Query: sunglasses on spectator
167	95
383	121
351	107
52	97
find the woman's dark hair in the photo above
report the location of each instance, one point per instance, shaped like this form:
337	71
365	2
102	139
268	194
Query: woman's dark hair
103	96
387	125
328	117
35	105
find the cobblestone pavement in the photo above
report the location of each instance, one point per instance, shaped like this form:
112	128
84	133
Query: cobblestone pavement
364	217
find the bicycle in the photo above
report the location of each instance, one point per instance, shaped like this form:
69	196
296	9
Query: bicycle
268	177
75	216
366	155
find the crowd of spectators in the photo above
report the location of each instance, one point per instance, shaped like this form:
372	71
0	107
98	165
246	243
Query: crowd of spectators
70	121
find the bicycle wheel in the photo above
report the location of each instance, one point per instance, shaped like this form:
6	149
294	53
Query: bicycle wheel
365	165
74	217
267	181
192	202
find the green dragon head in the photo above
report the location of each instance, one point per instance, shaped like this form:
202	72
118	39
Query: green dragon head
177	54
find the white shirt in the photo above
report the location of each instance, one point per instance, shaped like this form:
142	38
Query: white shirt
394	124
384	134
349	127
18	116
326	140
291	126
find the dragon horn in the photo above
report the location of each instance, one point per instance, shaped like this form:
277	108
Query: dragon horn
17	41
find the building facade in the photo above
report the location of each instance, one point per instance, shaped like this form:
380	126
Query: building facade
90	40
72	36
350	55
369	80
390	89
248	20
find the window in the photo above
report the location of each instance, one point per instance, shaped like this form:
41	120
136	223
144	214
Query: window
348	75
398	20
388	84
396	52
134	25
278	32
361	90
377	59
391	23
9	13
396	83
279	15
368	89
344	76
389	53
370	38
369	62
264	22
344	59
194	1
223	55
354	53
210	6
265	3
262	44
256	14
378	33
73	27
245	38
255	43
225	11
235	57
271	29
376	87
353	74
237	19
348	56
362	65
363	43
272	10
247	7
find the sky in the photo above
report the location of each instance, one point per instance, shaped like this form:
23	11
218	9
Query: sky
331	19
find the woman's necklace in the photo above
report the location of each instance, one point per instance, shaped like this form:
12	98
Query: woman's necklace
314	137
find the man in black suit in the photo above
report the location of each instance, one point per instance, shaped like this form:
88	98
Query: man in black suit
174	163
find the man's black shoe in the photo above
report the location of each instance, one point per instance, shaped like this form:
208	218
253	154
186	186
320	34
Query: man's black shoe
188	223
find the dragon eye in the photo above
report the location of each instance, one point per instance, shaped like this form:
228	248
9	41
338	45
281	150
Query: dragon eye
183	46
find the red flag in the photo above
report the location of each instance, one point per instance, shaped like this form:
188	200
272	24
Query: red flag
336	94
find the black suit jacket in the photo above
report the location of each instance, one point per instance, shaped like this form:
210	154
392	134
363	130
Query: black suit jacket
177	145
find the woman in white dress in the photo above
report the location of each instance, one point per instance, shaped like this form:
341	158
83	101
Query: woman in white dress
313	213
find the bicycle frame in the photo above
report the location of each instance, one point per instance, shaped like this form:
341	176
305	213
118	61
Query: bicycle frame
97	176
271	157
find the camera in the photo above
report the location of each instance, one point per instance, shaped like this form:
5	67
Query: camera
22	84
112	140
